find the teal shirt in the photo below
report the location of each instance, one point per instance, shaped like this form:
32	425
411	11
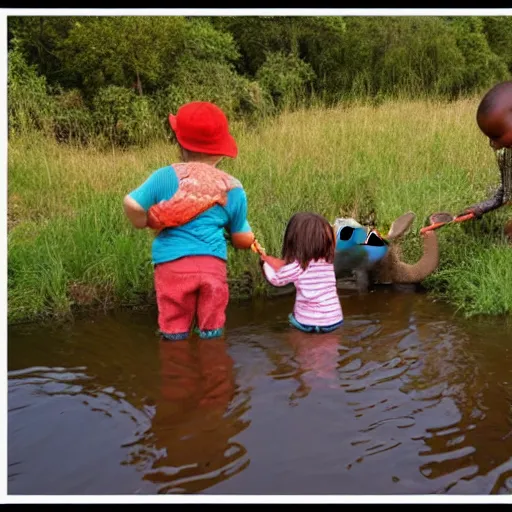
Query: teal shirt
203	235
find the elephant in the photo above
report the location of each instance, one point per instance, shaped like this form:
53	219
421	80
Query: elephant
372	259
364	258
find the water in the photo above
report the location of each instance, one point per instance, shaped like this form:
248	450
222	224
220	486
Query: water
405	399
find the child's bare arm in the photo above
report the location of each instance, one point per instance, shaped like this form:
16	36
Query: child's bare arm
238	228
274	262
135	213
242	240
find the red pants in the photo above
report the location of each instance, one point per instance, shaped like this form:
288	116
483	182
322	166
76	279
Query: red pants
188	288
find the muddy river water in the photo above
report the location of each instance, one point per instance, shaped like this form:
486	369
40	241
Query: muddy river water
406	398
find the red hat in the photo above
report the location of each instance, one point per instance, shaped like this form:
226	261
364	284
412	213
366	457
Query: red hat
202	127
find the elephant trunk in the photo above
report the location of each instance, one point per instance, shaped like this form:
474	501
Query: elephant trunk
404	273
393	270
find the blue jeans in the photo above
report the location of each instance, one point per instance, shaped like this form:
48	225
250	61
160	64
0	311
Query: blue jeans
313	328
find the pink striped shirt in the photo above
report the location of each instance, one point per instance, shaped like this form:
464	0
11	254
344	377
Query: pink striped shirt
316	301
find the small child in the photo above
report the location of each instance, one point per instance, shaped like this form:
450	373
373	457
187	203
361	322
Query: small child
308	255
190	204
494	118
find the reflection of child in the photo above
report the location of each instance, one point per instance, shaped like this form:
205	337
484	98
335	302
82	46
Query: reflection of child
197	374
320	358
308	254
494	118
192	440
191	203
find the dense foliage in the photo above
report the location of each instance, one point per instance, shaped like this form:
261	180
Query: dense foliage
115	78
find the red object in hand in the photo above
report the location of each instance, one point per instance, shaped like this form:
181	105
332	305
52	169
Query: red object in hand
256	247
436	225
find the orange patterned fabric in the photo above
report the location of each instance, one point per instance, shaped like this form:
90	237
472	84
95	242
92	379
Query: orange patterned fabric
201	186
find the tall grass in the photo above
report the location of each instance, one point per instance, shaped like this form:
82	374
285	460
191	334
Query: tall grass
69	243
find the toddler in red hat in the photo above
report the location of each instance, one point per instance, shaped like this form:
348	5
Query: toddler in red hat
191	204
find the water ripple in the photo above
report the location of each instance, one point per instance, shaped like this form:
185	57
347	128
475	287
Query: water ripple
403	399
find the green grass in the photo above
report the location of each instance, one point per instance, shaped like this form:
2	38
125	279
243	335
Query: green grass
69	244
475	272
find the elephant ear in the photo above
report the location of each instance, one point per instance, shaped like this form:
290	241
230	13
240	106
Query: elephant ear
401	225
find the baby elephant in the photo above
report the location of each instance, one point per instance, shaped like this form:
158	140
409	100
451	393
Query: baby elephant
374	259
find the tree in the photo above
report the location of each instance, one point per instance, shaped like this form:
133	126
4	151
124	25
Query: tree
37	38
482	67
498	31
120	50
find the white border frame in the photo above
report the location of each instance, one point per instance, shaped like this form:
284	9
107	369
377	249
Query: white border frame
93	499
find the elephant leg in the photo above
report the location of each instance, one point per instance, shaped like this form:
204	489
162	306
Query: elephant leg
362	280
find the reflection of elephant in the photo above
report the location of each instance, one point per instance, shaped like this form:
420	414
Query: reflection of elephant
372	258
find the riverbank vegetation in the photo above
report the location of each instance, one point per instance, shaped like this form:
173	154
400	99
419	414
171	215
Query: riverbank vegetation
362	117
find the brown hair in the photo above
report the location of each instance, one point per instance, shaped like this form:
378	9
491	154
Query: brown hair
308	237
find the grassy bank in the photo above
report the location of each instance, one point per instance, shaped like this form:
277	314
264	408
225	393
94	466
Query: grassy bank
70	245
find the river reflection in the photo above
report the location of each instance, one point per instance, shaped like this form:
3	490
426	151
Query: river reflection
195	422
405	398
